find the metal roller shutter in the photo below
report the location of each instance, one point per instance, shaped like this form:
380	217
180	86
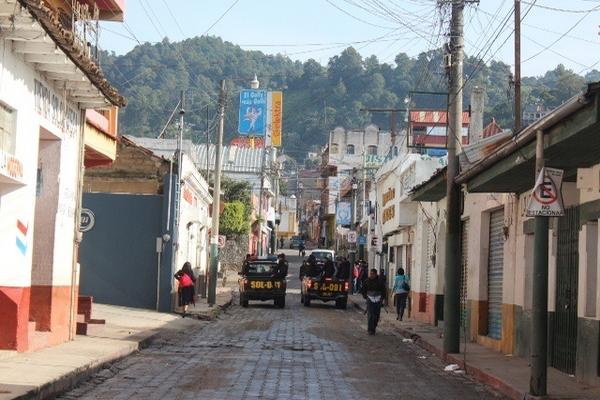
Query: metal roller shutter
428	263
464	251
495	274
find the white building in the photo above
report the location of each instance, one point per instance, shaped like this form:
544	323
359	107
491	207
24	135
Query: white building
47	81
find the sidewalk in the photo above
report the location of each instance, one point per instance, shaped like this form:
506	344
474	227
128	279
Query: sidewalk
51	371
509	375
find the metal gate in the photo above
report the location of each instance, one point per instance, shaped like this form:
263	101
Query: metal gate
495	274
464	251
564	343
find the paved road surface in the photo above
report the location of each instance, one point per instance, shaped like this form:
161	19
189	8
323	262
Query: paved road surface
266	353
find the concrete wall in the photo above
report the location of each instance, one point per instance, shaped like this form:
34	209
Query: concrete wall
37	118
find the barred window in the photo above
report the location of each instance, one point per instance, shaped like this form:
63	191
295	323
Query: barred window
7	129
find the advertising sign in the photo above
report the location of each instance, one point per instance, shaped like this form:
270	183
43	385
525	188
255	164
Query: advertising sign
546	198
343	215
352	237
276	118
253	112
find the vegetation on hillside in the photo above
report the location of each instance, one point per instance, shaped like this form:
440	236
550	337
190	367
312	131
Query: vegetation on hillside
316	98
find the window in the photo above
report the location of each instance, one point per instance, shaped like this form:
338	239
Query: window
334	148
350	149
372	150
8	130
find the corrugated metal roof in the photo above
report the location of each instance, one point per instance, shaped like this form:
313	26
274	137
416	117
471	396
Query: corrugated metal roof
234	159
435	117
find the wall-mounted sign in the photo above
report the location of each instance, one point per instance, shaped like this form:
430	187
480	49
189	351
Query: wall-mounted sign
546	198
87	220
222	241
352	237
276	117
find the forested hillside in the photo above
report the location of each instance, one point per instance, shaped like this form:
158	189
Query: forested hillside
316	97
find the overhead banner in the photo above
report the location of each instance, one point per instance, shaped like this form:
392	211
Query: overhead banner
343	215
253	112
276	118
546	198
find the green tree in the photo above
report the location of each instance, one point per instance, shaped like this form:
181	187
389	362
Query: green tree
233	221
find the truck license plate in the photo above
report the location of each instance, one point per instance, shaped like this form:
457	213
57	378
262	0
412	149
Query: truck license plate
265	285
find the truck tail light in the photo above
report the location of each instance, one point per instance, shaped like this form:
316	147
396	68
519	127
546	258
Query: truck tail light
309	283
346	285
245	282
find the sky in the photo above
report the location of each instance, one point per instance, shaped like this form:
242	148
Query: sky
553	31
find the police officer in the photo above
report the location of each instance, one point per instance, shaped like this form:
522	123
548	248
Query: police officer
282	266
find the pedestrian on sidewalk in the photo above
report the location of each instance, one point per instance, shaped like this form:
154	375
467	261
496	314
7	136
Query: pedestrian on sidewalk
185	277
401	289
373	291
356	278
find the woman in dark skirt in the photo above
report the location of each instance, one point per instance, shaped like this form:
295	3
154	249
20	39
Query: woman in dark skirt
185	277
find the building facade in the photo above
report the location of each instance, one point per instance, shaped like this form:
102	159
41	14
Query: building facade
49	79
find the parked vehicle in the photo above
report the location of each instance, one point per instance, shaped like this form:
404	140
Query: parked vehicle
259	282
296	241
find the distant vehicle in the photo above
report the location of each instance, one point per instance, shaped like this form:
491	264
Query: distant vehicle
324	288
323	254
258	282
296	241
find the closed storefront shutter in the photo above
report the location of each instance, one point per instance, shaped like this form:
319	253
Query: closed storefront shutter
495	274
464	250
428	263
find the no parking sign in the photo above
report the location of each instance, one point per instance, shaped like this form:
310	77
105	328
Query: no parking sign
546	198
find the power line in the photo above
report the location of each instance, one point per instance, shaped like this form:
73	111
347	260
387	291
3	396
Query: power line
221	17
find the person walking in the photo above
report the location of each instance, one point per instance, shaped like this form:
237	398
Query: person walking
301	248
401	289
186	292
373	291
356	276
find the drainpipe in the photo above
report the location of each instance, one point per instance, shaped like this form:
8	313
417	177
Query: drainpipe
77	235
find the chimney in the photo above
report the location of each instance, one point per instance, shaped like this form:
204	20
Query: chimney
476	125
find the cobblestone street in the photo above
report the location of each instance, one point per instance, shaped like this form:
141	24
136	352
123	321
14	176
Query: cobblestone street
262	352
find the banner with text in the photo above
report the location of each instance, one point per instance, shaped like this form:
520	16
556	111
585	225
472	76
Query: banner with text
276	116
253	112
343	215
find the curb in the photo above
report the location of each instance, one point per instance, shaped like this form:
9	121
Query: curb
215	311
475	372
75	377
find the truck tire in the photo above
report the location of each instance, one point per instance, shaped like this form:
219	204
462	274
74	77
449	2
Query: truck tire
306	301
243	301
341	304
280	302
302	298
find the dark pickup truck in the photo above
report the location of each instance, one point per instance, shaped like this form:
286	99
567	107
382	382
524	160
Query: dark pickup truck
259	282
325	289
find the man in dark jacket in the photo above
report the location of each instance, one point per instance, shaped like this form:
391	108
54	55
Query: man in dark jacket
373	291
282	267
343	271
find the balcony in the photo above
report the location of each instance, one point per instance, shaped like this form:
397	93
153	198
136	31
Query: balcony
60	47
108	10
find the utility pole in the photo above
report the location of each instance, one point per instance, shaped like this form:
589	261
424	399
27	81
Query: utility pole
207	147
179	181
453	193
517	66
539	304
214	237
260	201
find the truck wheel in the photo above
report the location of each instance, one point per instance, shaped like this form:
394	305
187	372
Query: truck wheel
341	304
280	302
244	301
307	302
302	298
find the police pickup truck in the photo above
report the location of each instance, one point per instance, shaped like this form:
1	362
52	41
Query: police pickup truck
259	281
320	284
